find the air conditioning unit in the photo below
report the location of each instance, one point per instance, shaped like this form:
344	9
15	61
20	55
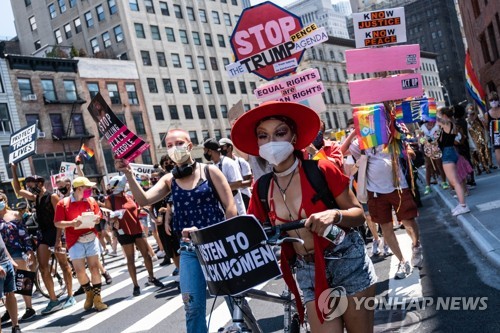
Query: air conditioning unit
41	134
32	97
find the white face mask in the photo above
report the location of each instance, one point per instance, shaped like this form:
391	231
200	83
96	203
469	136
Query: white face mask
494	104
275	152
179	154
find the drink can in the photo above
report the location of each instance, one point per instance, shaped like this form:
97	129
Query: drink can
334	234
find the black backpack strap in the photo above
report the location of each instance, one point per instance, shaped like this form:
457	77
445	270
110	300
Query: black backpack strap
319	184
210	182
263	184
112	201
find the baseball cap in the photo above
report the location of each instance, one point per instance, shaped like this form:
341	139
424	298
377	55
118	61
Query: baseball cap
211	144
34	178
82	181
225	141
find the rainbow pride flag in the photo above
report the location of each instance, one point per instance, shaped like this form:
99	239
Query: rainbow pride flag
87	152
495	126
472	84
371	125
412	111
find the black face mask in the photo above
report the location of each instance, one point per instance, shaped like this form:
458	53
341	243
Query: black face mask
109	191
223	152
184	170
34	190
207	156
169	167
318	142
63	190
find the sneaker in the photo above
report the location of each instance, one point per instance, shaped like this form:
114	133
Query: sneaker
5	317
113	254
445	185
155	281
375	249
175	272
30	313
417	258
16	329
166	261
107	277
80	291
70	301
387	250
154	258
460	210
160	254
137	291
427	190
404	270
53	306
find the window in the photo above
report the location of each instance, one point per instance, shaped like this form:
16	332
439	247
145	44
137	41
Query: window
131	94
114	95
170	34
158	112
484	48
227	19
187	111
189	61
330	96
155	32
207	87
89	20
232	87
325	74
201	113
106	39
217	134
215	17
190	13
213	64
146	157
49	91
203	15
253	86
196	38
163	143
183	37
58	36
195	87
118	33
67	30
78	25
176	60
27	3
112	7
100	13
475	8
219	88
178	11
121	117
167	86
146	59
152	85
162	61
225	61
134	6
32	21
336	74
139	123
57	125
25	87
213	111
493	42
243	87
222	42
234	2
62	6
164	8
223	111
182	86
78	124
205	134
52	11
201	63
149	6
32	119
341	95
208	40
139	30
193	137
172	109
93	88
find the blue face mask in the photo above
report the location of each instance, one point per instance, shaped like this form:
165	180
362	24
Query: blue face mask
2	205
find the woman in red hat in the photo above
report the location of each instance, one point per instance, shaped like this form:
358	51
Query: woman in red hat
277	131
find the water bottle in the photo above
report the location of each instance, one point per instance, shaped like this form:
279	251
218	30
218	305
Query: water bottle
334	234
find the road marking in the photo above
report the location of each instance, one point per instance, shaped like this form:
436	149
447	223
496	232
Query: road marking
488	205
155	317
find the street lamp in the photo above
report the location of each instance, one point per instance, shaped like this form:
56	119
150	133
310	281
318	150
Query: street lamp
446	94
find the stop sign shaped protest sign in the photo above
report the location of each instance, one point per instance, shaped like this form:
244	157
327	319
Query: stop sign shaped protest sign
261	40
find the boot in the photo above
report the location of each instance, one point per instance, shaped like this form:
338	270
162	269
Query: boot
88	300
98	304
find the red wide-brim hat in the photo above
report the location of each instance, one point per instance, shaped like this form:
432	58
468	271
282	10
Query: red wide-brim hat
306	121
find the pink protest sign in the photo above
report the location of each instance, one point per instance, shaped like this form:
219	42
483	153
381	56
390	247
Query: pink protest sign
386	89
383	59
286	86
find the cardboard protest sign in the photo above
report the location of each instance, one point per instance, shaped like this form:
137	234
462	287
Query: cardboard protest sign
142	169
232	257
124	143
24	282
386	89
23	143
401	57
380	27
371	125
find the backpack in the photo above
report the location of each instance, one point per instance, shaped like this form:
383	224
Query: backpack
315	177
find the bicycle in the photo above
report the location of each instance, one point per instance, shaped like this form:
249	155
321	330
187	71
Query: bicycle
56	274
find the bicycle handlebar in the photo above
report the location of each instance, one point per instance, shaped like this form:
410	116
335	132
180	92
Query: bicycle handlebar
288	226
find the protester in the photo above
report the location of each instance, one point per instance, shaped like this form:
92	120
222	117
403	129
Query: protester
7	285
462	141
82	243
433	163
129	231
274	131
450	157
48	237
331	149
479	146
196	206
492	122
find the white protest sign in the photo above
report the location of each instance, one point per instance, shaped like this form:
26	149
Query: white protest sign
380	27
23	143
68	167
141	169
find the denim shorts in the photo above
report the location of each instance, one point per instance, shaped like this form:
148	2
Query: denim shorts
347	266
7	284
450	155
84	250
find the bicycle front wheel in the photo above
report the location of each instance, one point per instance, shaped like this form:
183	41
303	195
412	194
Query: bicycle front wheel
57	277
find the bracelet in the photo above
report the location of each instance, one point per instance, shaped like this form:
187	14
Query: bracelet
340	218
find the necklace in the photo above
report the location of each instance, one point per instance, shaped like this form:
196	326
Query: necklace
283	190
287	171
